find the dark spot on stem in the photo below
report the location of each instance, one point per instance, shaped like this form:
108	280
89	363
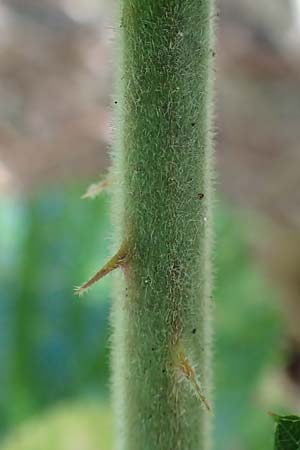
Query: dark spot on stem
194	330
200	195
176	270
193	124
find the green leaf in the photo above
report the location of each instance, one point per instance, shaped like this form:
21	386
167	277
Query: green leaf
287	433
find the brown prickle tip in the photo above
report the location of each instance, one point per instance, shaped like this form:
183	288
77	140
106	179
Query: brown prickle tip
95	189
116	262
188	372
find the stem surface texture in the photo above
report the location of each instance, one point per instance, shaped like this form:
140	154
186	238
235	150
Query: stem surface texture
162	200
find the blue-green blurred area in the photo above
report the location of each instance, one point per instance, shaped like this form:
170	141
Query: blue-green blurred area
54	347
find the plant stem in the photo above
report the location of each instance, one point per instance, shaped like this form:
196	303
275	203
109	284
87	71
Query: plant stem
162	209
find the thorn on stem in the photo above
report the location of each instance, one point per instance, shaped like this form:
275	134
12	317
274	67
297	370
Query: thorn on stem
117	261
189	374
94	190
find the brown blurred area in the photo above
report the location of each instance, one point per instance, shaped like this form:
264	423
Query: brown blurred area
55	83
55	89
55	95
258	144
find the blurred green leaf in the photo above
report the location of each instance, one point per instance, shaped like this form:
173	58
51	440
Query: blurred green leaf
80	425
287	434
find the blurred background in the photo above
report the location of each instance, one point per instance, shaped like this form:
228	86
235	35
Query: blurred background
55	120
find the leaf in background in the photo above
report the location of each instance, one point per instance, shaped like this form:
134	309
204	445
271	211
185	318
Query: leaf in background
287	434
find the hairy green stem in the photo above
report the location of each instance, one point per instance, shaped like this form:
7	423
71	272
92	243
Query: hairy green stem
162	163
